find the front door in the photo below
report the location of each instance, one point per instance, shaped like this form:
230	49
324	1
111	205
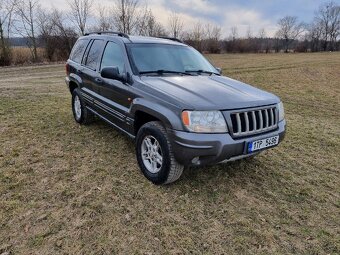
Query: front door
116	96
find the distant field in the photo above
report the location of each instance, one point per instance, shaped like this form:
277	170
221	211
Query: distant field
70	189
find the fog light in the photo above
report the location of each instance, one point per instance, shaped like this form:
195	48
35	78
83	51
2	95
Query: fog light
195	160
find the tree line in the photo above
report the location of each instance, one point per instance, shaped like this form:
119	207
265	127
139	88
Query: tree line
56	31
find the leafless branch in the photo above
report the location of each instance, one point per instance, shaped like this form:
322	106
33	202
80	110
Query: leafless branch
80	12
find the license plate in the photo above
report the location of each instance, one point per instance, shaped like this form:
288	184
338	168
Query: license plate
263	143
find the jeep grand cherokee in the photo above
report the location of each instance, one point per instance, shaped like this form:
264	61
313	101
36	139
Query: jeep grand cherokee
176	105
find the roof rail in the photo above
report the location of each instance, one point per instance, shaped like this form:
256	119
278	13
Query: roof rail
171	38
108	32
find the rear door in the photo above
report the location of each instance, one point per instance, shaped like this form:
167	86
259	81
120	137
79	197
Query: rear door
75	60
90	70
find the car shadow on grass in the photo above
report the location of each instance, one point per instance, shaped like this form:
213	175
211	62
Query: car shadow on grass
221	182
240	171
223	171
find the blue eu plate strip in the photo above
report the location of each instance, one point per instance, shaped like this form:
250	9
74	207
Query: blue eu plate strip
250	147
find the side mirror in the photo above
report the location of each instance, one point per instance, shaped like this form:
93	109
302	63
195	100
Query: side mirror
219	70
112	73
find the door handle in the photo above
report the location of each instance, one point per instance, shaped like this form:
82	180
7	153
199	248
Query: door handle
79	71
98	80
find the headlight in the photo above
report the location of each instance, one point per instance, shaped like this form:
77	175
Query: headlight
281	111
204	121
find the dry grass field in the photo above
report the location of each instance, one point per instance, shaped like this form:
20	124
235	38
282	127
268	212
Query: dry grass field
70	189
23	55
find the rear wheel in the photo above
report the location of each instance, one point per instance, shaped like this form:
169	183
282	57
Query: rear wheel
155	156
80	113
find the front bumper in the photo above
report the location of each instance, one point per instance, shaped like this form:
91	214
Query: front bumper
215	148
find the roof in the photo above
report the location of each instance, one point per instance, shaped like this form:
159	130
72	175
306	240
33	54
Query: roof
138	39
146	39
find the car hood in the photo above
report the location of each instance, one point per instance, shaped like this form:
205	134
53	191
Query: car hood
210	92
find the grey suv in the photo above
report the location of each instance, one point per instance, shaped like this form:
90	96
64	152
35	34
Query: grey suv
177	106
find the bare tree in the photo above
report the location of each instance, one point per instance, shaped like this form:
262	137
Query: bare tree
26	26
314	35
46	31
289	30
66	33
80	12
262	33
249	32
145	18
232	45
104	18
198	36
176	25
234	33
56	34
125	15
328	17
147	24
154	27
335	24
213	37
198	32
6	17
6	12
264	41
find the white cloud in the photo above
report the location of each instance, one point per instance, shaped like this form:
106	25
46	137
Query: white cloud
190	11
199	6
243	19
231	17
58	4
162	15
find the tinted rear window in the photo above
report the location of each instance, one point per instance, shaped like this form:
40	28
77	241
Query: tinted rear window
78	50
94	54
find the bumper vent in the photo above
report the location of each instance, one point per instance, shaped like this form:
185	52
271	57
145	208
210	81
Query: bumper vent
255	121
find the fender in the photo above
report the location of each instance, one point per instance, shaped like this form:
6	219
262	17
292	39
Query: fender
169	118
76	79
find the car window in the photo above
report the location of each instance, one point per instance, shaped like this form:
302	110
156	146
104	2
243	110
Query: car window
94	54
153	57
149	58
113	56
78	50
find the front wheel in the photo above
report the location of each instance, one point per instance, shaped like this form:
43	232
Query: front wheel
155	156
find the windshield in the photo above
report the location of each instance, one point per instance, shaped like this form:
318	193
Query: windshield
162	58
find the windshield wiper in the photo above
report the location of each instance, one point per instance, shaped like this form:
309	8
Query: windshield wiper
160	72
200	72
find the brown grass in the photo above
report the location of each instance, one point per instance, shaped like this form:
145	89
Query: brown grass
69	189
23	55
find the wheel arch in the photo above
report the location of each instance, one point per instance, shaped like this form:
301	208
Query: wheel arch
145	111
72	86
141	118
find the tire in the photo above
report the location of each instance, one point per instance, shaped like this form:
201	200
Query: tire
169	170
80	113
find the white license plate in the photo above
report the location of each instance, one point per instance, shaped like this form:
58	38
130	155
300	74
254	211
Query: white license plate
263	143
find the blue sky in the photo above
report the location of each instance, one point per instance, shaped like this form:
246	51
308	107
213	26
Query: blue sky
253	14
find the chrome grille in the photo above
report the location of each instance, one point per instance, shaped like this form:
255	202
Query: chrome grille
253	121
